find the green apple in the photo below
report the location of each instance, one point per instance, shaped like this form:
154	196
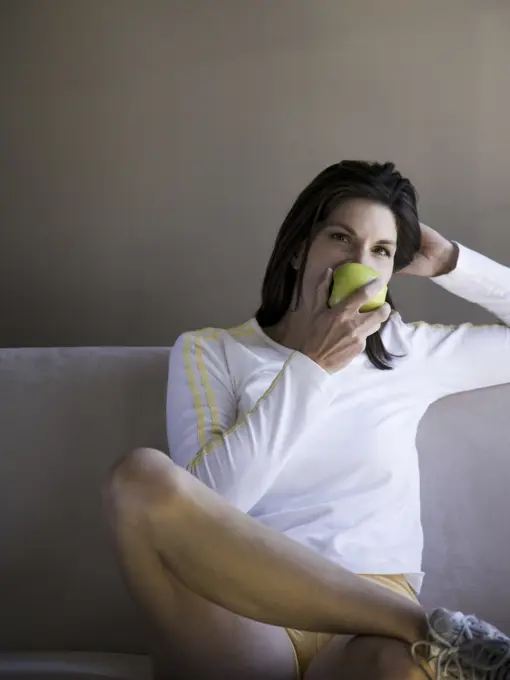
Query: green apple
350	277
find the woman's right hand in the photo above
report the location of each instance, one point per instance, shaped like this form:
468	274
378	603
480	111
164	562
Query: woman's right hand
338	334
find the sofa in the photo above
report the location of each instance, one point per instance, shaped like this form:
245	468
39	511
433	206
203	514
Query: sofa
67	414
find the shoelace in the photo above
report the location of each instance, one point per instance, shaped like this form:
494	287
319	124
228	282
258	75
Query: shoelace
457	657
443	660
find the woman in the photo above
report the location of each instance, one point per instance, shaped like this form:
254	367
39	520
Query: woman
284	540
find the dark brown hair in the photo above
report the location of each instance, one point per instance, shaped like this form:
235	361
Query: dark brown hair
379	182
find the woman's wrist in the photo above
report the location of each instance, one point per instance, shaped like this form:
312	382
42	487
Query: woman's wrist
449	261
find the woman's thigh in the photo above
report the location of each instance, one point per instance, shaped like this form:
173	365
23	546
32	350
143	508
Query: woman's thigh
367	658
192	638
322	655
196	639
364	658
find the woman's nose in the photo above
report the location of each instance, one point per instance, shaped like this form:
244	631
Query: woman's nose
363	255
360	256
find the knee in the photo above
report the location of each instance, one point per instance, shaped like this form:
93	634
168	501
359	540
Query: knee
386	659
141	481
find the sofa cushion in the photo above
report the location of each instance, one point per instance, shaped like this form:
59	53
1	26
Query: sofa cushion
74	666
65	416
464	445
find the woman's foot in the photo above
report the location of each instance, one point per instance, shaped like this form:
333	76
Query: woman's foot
463	646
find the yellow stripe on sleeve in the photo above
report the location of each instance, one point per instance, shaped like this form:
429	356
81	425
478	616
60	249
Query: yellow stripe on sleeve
209	394
195	391
217	441
205	433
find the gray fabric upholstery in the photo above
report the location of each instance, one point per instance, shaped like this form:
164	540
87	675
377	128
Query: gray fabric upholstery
464	444
67	414
74	666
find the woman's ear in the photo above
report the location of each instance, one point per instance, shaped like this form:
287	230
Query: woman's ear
297	260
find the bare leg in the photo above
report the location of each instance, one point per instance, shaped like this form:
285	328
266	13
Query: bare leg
219	554
189	637
364	658
230	559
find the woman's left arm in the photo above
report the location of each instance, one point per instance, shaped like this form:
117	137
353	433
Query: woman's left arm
467	356
480	280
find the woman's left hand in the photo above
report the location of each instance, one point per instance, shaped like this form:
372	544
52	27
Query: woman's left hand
436	256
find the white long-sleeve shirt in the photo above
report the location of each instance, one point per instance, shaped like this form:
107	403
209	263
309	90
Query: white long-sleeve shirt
330	459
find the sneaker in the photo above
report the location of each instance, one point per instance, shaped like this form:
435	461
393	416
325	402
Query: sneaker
464	647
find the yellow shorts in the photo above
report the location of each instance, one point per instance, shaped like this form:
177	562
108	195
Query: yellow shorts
306	645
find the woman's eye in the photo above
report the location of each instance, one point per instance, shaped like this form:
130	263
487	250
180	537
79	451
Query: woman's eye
338	237
384	251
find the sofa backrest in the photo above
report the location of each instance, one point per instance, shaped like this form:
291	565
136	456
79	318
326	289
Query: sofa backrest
464	445
66	415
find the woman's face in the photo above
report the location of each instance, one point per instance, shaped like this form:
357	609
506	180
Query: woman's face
360	231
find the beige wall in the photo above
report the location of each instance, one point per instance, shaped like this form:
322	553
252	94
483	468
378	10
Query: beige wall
150	148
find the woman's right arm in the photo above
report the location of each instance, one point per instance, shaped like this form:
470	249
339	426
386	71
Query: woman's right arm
238	457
